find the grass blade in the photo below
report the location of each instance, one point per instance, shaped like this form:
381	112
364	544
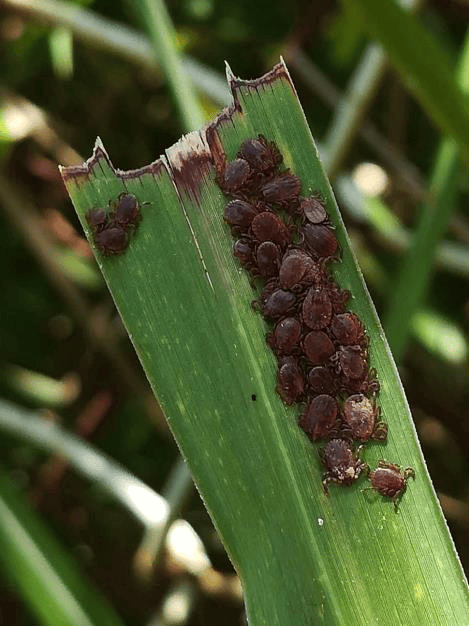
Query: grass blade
158	22
303	557
42	571
424	68
415	273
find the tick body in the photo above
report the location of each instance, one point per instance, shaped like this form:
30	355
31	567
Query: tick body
351	362
127	210
313	211
347	329
239	214
360	415
320	379
320	240
317	347
262	155
267	226
97	219
286	336
291	380
112	240
236	177
320	417
278	304
282	190
388	480
299	270
317	309
343	465
268	256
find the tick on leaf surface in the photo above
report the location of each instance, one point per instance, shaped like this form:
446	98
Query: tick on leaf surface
277	304
313	211
317	309
267	226
339	297
286	336
236	177
127	210
343	465
299	270
268	256
320	417
239	214
262	155
347	328
361	417
243	250
351	361
291	380
388	480
317	347
321	379
320	240
96	218
282	190
112	240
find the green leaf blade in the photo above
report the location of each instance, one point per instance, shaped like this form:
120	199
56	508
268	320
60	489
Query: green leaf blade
423	66
303	557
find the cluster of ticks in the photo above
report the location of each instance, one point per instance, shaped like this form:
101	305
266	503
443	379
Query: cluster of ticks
112	227
288	242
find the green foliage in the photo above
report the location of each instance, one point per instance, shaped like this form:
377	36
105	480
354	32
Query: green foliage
257	474
33	559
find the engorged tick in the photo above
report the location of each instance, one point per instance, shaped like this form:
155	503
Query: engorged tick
299	270
286	336
277	304
236	178
320	417
347	329
262	155
320	379
127	210
96	218
343	466
239	214
317	309
283	190
312	210
351	361
388	480
361	417
339	297
268	258
112	240
320	240
291	380
317	347
267	226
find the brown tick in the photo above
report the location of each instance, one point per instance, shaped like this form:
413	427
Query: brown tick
262	155
361	417
388	480
343	465
286	336
320	240
291	380
320	417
